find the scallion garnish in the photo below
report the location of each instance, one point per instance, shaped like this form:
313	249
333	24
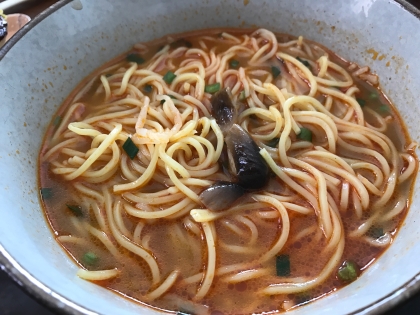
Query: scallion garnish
212	88
273	142
130	148
242	95
302	298
181	43
375	232
275	71
135	58
148	88
169	77
234	64
361	102
383	108
90	258
283	265
305	62
77	210
163	101
46	193
348	272
57	121
305	134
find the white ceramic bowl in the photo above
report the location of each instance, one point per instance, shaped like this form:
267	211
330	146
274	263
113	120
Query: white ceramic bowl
42	64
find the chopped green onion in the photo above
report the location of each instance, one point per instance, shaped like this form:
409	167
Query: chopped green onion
163	101
130	148
273	142
77	210
282	265
148	88
181	43
135	58
46	193
383	108
234	64
373	95
90	258
108	75
242	95
275	71
57	121
305	62
212	88
348	272
305	134
361	102
375	232
169	77
302	298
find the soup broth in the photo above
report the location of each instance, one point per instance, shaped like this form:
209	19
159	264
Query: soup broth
130	156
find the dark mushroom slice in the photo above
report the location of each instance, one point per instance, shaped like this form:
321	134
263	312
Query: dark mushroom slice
246	163
221	195
223	110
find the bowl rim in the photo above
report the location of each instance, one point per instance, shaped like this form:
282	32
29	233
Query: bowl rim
61	304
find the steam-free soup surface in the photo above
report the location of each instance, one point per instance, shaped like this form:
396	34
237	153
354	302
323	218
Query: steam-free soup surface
129	157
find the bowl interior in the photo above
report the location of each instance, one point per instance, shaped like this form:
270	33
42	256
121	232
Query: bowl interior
43	67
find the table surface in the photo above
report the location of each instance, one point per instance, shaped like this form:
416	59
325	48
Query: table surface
14	301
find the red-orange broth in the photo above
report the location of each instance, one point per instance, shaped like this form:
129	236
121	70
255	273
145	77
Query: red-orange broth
306	259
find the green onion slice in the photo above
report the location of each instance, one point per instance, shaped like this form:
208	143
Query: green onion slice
77	210
361	102
242	95
135	58
46	193
212	88
57	121
148	88
302	298
90	258
163	101
348	272
383	108
305	62
273	142
275	71
130	148
181	43
283	265
375	232
305	134
234	64
169	77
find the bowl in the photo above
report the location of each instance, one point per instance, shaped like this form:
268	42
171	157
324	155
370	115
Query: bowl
44	62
